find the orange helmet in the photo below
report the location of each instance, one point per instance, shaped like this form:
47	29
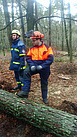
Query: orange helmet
37	35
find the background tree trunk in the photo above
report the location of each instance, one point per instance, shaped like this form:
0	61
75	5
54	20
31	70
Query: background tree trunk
50	24
22	24
36	17
51	120
62	12
7	19
70	34
67	43
30	16
12	14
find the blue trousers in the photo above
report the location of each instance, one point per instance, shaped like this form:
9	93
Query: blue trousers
44	74
19	77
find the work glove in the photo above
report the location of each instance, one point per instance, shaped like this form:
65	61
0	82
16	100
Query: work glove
33	68
39	67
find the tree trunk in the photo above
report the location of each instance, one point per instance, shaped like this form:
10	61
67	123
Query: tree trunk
70	33
66	38
12	14
30	19
62	12
7	19
30	16
22	23
36	17
44	117
50	24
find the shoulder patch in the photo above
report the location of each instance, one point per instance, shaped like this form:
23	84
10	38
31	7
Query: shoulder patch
23	51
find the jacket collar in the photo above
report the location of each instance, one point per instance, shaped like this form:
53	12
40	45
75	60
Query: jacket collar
16	41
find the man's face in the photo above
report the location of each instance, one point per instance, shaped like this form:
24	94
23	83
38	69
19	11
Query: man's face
35	42
15	36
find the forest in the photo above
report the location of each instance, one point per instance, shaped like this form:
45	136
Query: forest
59	26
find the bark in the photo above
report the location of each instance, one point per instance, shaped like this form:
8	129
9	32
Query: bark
36	17
62	13
7	19
66	37
70	34
50	24
22	23
12	14
30	15
44	117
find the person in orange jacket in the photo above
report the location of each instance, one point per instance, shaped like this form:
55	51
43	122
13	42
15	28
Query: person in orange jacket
39	58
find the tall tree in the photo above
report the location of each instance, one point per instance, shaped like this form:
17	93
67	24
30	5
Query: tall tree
7	19
30	15
66	36
36	14
62	12
70	33
12	14
22	23
50	23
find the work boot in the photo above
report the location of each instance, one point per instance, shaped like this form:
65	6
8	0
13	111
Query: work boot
18	87
45	101
23	94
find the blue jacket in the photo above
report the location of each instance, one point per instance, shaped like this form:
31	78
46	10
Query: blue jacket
17	56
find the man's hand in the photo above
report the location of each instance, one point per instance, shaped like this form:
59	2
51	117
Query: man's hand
39	67
33	68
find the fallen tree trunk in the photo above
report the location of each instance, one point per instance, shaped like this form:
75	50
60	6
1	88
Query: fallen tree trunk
46	118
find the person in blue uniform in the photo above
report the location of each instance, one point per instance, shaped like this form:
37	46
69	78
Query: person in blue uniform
17	63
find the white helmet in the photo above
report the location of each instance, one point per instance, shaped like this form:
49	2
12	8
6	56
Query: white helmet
16	32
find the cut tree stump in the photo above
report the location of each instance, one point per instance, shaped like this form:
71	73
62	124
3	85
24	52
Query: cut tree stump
44	117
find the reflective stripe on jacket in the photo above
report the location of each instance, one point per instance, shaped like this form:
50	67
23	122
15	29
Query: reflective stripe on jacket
40	55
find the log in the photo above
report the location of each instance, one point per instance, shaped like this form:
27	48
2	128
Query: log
44	117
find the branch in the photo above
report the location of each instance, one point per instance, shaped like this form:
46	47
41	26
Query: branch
36	20
12	22
22	5
53	17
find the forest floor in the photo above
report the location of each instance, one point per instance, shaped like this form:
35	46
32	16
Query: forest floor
62	94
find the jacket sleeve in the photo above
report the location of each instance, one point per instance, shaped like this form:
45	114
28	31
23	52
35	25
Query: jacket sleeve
22	56
49	59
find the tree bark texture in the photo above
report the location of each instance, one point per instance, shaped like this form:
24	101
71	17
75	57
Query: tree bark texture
7	20
44	117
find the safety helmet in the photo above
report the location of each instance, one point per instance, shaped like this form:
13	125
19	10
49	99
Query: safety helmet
16	32
37	35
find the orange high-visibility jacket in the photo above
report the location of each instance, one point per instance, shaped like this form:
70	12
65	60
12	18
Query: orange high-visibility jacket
40	55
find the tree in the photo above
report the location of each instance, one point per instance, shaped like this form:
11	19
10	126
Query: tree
70	33
12	14
30	15
44	117
67	43
40	17
62	12
36	25
22	24
50	23
7	19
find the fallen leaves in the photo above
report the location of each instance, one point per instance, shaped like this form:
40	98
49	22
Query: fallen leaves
62	92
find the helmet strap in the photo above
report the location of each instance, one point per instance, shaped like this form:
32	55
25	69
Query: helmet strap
16	37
